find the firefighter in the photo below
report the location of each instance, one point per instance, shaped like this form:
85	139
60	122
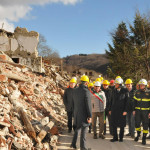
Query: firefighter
142	112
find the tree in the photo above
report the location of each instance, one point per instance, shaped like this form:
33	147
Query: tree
129	55
46	52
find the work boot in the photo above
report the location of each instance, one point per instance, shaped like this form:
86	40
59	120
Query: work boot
138	135
73	146
144	139
114	139
95	136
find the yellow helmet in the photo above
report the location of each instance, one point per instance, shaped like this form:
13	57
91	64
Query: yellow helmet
94	82
90	84
106	82
73	80
101	78
118	77
128	81
85	78
98	79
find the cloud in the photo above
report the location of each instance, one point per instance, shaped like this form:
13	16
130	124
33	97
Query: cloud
13	10
4	24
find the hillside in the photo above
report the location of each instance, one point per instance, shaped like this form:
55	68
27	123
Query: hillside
96	62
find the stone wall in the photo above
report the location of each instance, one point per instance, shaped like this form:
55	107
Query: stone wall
21	46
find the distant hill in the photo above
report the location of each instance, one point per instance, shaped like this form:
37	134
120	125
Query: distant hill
97	62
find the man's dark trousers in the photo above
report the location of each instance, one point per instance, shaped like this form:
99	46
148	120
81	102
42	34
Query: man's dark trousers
121	134
69	114
82	136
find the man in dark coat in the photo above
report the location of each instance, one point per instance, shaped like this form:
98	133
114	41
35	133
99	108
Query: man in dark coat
82	112
67	99
108	94
130	108
118	109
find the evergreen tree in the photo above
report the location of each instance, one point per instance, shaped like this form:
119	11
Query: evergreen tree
129	55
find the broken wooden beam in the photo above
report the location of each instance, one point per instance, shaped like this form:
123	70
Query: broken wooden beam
14	76
44	131
11	63
27	123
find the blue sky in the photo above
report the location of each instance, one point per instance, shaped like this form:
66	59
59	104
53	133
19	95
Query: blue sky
81	26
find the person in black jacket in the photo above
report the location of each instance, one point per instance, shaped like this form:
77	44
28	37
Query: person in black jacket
67	99
82	112
108	94
130	108
118	109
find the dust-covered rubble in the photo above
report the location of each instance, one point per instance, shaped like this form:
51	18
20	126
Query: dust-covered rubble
32	113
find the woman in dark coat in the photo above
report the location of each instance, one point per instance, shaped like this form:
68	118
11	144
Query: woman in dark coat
118	109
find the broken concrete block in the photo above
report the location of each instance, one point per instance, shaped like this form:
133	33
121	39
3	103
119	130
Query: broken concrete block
44	121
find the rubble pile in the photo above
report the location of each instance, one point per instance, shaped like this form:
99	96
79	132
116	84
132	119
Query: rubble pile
31	108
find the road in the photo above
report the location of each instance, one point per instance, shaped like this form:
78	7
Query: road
99	144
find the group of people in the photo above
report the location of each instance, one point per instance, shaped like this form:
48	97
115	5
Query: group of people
120	103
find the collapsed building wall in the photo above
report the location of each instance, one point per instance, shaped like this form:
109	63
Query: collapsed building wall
21	46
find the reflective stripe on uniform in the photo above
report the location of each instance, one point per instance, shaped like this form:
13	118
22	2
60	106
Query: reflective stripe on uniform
146	100
142	108
138	129
145	131
138	99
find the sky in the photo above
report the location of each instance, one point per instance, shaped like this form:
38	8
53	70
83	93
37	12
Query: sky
71	26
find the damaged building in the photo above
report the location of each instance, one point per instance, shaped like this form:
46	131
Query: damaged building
21	46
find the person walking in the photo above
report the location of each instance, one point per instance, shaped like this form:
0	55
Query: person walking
142	113
67	100
118	109
98	100
82	112
108	94
130	108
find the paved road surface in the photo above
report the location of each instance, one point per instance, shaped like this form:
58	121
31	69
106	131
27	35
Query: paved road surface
99	144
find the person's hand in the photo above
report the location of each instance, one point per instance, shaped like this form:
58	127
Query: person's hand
124	113
149	115
110	112
133	113
89	120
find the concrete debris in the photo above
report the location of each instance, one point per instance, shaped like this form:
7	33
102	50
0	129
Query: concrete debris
32	113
